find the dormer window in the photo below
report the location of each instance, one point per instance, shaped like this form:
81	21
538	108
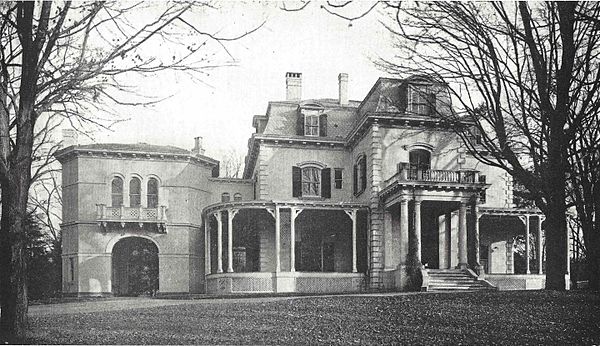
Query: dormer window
311	125
311	121
421	100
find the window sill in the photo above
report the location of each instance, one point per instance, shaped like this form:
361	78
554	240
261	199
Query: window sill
358	193
312	198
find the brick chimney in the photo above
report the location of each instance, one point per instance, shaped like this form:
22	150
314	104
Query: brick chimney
293	86
198	150
343	89
69	137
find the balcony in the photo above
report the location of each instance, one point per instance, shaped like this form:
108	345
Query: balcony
132	215
440	176
434	183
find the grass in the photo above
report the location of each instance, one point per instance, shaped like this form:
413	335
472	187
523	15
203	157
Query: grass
468	318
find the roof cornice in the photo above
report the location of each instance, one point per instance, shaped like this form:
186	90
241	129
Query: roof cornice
68	153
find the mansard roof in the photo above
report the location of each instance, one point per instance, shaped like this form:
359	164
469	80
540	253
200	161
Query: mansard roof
282	116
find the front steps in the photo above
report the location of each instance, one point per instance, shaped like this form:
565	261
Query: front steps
456	280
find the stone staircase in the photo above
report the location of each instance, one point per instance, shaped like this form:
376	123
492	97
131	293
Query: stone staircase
457	280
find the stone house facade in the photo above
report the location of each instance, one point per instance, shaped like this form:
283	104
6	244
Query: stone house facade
336	196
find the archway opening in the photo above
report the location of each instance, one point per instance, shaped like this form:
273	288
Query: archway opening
134	267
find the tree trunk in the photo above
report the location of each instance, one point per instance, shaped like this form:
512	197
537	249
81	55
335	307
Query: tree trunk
13	320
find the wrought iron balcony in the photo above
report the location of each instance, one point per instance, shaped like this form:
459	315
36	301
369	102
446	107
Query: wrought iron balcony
132	215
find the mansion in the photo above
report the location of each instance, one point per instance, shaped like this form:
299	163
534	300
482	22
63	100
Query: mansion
336	196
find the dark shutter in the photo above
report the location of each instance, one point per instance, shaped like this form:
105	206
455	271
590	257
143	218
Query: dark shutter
326	183
403	97
355	179
323	125
431	100
296	182
363	173
300	124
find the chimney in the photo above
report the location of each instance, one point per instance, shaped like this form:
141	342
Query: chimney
343	88
293	86
69	137
198	146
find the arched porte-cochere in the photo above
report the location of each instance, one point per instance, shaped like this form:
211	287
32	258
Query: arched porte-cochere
134	267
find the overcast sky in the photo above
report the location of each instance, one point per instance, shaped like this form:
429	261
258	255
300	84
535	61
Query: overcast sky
312	42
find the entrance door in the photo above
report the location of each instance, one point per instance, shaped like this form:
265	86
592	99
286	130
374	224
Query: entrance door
134	267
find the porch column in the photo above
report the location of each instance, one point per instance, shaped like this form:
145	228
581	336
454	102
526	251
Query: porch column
527	245
404	231
293	215
277	241
417	233
230	215
352	214
540	252
219	242
475	212
207	266
462	236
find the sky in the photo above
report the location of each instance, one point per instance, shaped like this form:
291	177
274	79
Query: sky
221	107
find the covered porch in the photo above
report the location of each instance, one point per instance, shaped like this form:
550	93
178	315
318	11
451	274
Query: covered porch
285	246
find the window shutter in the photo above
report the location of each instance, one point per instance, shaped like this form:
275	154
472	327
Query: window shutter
296	181
323	125
355	179
300	124
326	183
403	101
431	99
363	173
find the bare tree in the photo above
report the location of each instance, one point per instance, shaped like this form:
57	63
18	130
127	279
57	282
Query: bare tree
232	163
71	61
514	71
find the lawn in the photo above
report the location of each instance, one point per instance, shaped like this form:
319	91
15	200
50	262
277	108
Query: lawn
463	318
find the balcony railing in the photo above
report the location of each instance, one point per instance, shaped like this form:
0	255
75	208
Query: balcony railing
124	215
439	176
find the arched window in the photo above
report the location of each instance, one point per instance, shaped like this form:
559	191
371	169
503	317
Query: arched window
152	193
135	192
420	159
225	197
237	197
311	181
360	174
117	192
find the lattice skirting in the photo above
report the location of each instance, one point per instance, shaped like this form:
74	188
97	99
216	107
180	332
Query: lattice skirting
517	282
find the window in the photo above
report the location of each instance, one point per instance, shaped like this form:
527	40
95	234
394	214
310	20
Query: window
338	177
117	192
421	100
360	175
311	125
311	122
225	197
420	159
152	193
311	181
237	197
482	194
135	192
